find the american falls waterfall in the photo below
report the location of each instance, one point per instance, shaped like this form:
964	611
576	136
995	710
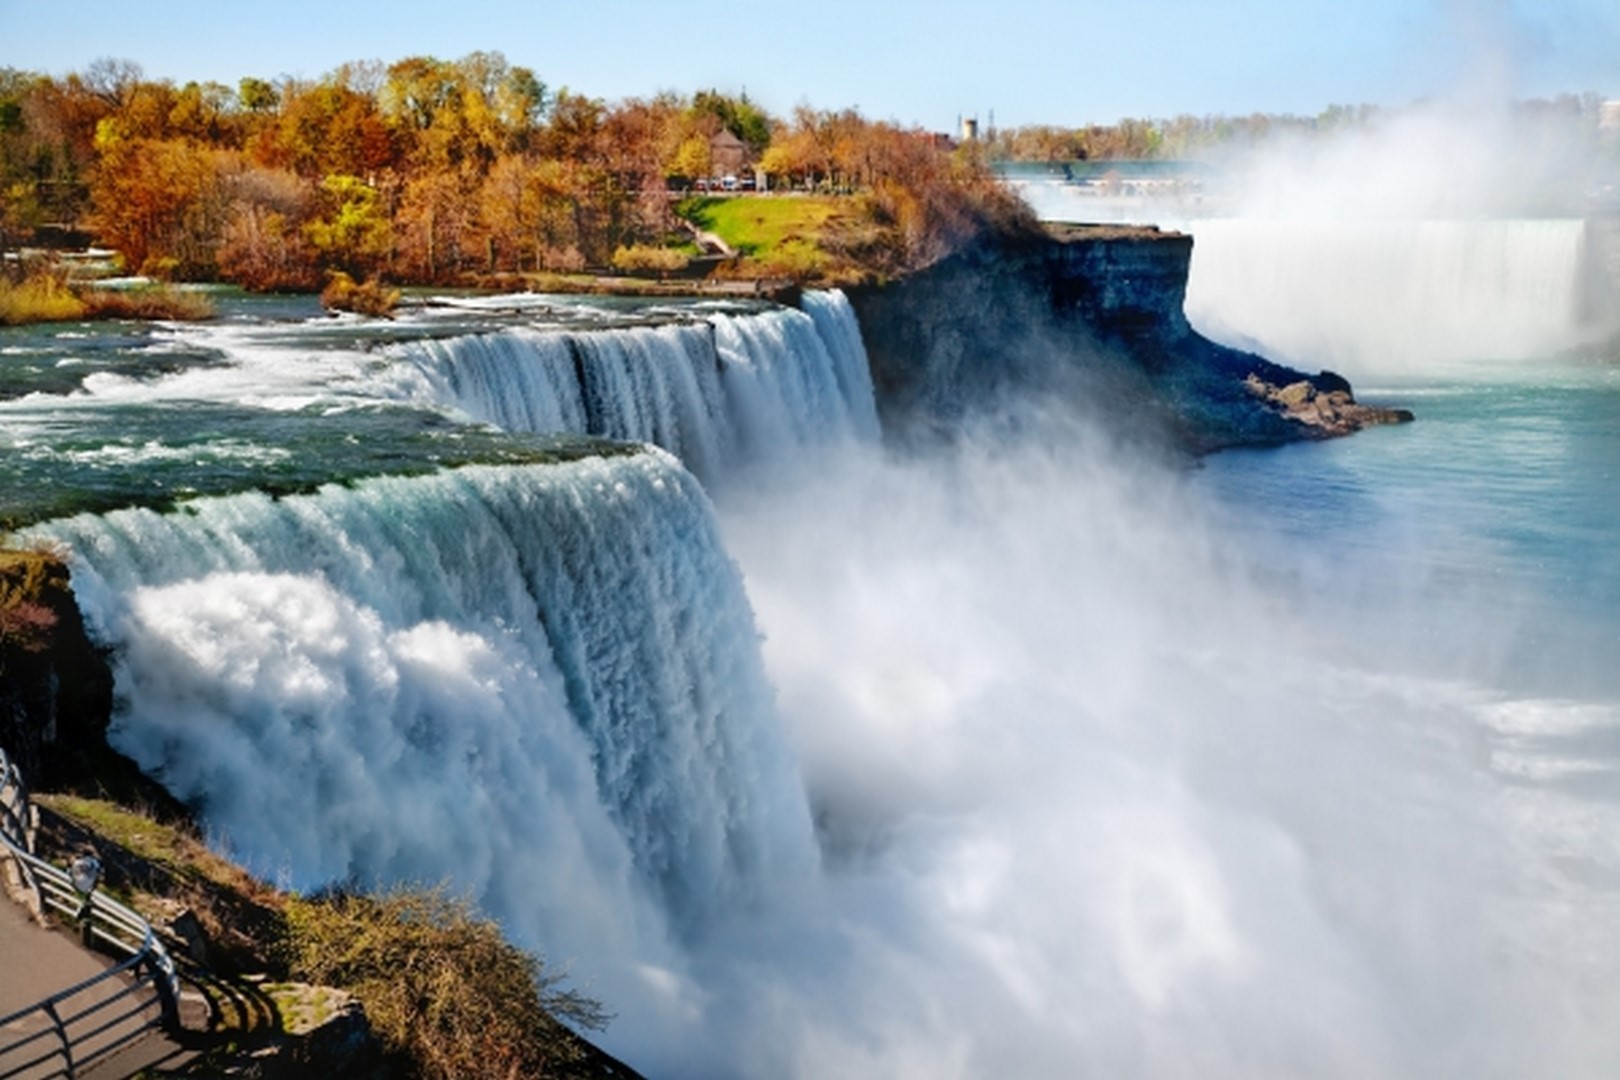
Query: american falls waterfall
539	682
542	681
415	674
713	391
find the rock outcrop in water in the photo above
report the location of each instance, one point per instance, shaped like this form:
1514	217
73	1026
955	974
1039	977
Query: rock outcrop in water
1095	313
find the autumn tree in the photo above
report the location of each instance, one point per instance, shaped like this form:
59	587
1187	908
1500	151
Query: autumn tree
324	129
691	159
265	245
526	207
352	231
436	224
161	203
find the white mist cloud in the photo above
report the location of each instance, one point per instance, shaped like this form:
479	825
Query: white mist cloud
1443	233
1101	796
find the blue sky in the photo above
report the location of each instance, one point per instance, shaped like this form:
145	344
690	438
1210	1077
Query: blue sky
917	61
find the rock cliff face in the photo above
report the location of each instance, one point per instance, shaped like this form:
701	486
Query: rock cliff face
55	686
1094	314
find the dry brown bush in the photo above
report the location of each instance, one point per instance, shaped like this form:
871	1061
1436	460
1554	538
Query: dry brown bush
443	989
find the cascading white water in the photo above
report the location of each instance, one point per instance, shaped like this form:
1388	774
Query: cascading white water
1390	295
540	682
714	392
516	676
1103	775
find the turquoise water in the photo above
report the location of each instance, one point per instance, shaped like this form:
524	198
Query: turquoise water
1485	536
272	395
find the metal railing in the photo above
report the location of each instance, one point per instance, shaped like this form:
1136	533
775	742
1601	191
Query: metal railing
81	1026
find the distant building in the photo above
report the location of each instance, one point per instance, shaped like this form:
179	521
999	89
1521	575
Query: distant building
1609	116
729	155
970	128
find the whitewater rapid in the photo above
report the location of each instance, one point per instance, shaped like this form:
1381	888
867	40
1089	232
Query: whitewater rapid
714	391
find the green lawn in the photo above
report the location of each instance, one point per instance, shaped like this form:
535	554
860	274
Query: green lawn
763	227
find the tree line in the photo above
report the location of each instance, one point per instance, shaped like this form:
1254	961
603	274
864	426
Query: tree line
428	170
1189	136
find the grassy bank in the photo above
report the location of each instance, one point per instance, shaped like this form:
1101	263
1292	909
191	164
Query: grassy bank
790	236
45	296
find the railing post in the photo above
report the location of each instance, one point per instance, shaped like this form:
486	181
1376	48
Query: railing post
163	978
61	1033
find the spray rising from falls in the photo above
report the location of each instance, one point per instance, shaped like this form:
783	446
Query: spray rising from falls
1376	290
714	391
541	680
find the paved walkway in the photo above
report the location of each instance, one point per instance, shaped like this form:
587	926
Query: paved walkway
34	964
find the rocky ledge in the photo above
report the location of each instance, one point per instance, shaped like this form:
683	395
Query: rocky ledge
1095	314
1324	407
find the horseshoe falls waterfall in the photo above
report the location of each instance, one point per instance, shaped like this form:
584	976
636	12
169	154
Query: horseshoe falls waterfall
1376	295
1019	752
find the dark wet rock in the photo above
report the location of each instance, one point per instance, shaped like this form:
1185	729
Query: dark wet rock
1095	314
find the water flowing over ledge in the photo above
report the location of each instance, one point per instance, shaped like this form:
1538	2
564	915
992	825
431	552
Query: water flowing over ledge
508	674
713	391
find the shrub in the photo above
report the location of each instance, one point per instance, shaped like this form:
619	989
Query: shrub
372	297
33	587
441	986
150	302
40	297
46	296
641	258
564	260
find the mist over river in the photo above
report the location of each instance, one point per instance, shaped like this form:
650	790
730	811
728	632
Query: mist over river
816	756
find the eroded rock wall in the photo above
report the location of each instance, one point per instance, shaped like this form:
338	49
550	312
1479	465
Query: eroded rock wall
1094	314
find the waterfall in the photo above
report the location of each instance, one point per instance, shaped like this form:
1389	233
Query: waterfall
544	681
714	391
1395	295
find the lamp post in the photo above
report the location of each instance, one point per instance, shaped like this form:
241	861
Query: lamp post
85	872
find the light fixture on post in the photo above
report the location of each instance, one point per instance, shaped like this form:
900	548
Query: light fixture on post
85	873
